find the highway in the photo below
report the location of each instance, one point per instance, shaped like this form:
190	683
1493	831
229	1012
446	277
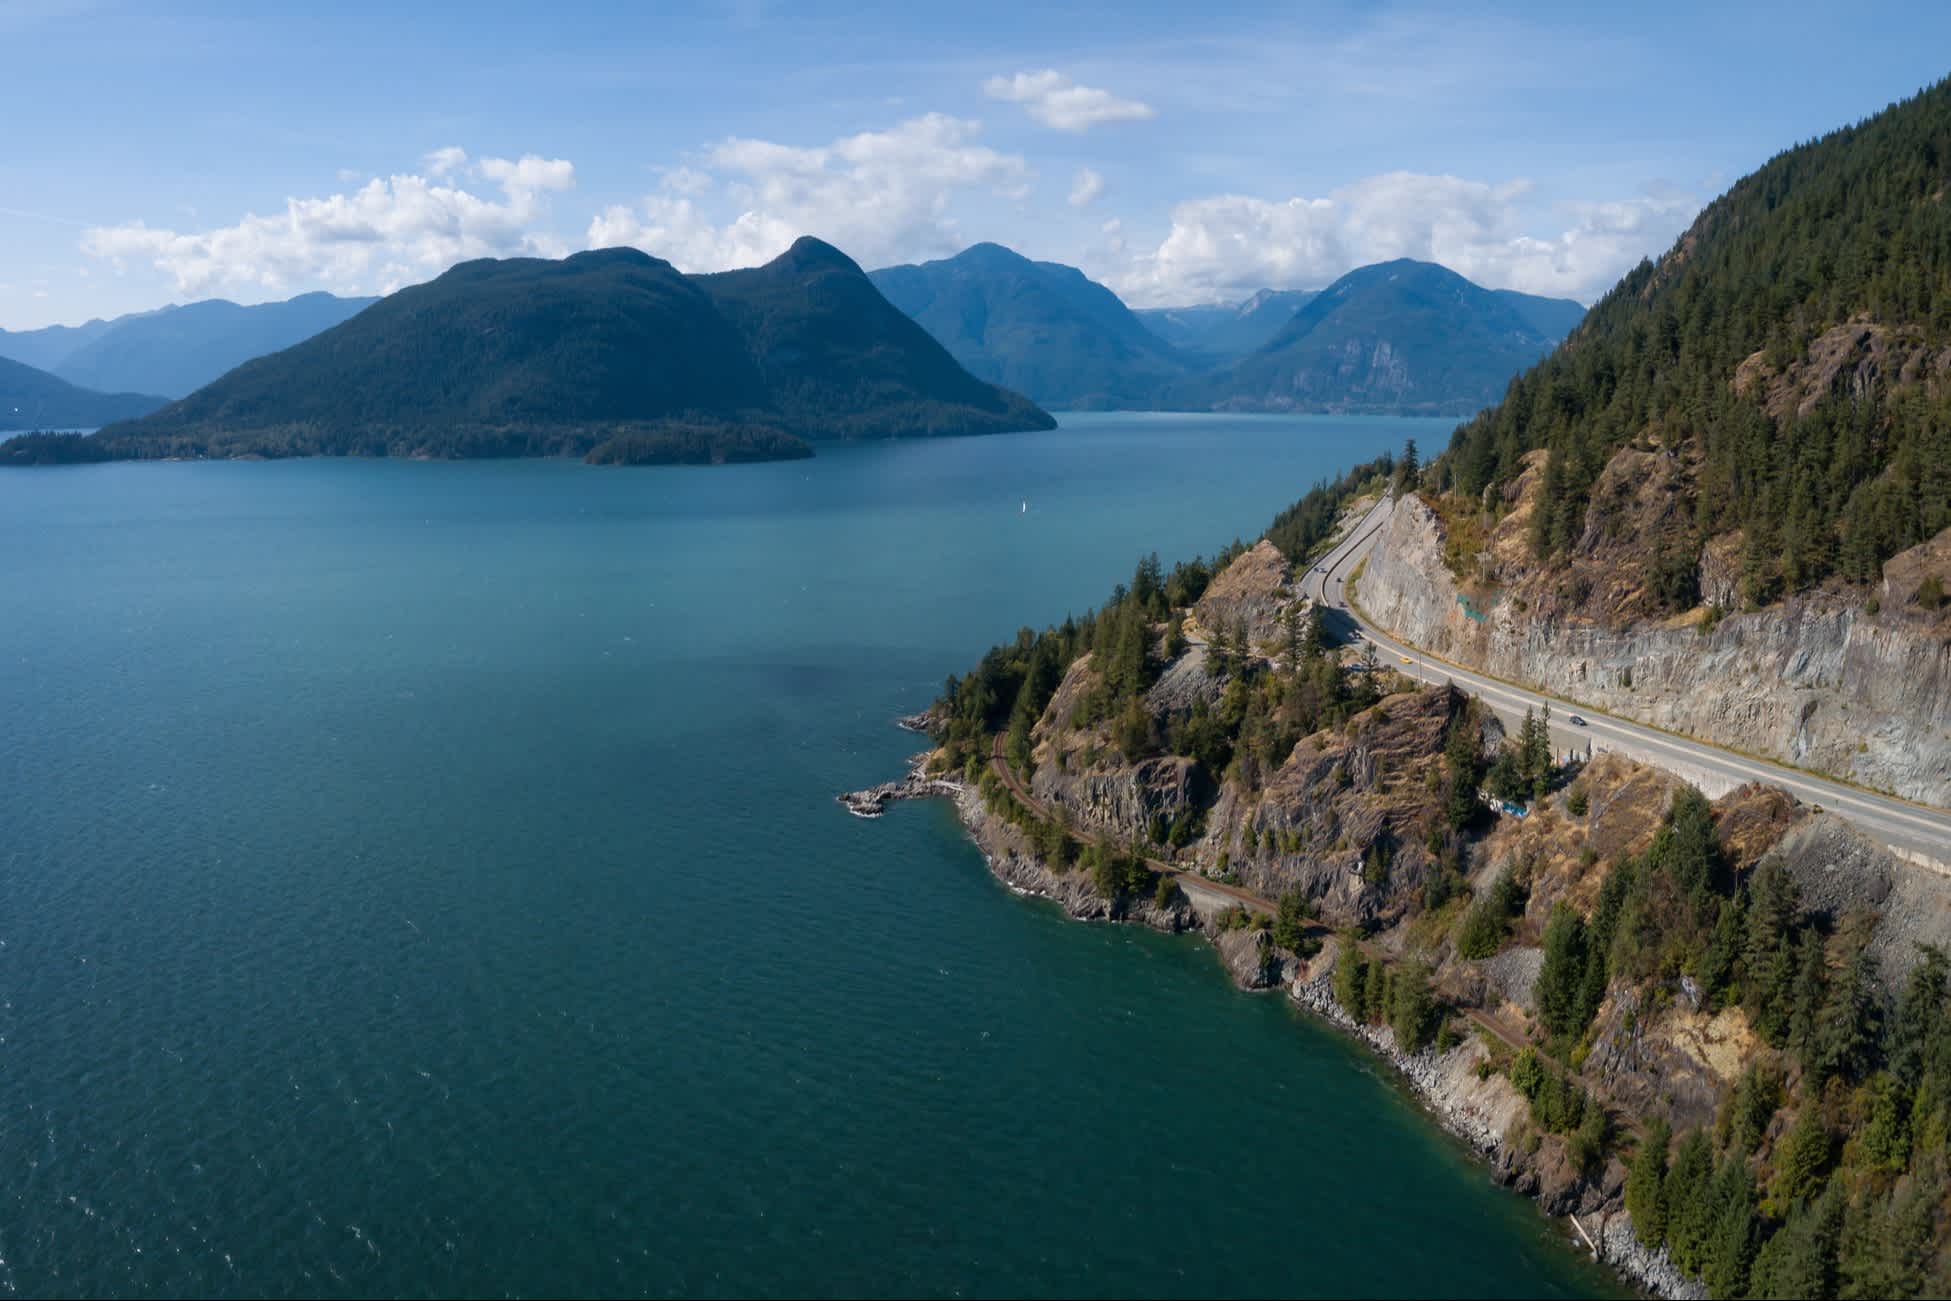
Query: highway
1916	831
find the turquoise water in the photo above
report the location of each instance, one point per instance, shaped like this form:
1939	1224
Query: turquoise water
424	879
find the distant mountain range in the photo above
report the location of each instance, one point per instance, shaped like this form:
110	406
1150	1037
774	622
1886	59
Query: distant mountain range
1036	327
175	350
611	354
1403	336
31	398
1220	335
616	355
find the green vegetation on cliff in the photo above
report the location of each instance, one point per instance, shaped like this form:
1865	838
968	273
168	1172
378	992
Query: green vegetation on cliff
1793	355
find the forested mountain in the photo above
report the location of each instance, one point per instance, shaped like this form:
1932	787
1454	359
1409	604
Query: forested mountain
611	353
1785	366
840	361
1400	336
1224	334
1039	328
34	399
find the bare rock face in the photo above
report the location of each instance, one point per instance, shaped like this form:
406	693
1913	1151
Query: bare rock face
1252	590
1668	1060
1341	799
1815	681
1119	800
1838	872
1252	960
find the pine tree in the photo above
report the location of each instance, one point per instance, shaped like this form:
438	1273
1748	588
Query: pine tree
1408	470
1645	1184
1562	977
1802	1158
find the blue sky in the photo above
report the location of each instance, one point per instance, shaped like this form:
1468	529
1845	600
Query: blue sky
1181	153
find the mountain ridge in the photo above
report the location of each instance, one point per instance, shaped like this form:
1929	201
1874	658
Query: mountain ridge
611	354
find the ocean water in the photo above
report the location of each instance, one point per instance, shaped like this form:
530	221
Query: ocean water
425	880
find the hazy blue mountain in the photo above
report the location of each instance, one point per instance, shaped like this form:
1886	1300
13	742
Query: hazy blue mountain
49	346
612	354
180	349
1554	318
1217	335
31	398
1402	336
1039	328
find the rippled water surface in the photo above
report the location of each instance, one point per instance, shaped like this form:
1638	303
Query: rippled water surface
424	879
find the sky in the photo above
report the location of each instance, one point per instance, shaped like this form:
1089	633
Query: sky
1180	153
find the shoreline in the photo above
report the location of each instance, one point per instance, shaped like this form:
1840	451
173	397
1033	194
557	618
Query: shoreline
1478	1111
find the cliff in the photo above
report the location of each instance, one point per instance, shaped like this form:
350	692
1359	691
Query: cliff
1737	1005
1820	680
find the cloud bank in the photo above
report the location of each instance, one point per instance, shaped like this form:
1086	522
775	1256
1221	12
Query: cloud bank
882	196
1223	247
389	232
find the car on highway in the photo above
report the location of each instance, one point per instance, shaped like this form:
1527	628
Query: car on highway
1407	660
1577	721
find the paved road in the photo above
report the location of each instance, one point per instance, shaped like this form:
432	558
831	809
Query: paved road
1913	828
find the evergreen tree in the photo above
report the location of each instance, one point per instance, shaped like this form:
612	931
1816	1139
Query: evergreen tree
1561	980
1802	1159
1645	1183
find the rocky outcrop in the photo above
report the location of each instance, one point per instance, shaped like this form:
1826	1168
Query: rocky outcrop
1815	681
1838	872
1252	592
1668	1060
873	801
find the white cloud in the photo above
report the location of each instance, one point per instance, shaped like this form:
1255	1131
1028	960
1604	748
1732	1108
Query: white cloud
883	196
1086	189
389	232
1222	247
1056	101
442	162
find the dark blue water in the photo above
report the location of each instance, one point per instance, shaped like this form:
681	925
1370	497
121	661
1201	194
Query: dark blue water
424	879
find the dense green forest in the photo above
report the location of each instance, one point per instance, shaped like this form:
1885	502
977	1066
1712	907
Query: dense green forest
1855	226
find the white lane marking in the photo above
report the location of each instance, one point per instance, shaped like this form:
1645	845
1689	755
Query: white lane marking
1893	815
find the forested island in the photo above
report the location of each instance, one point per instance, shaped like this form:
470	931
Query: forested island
610	355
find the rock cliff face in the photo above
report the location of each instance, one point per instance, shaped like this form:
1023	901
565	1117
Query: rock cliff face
1252	592
1816	680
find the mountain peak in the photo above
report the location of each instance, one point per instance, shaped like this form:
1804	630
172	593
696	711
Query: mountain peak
810	254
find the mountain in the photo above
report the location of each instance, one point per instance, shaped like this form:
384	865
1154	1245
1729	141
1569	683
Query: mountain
34	399
1724	505
180	349
841	361
1788	364
1039	328
175	350
612	354
48	347
1219	335
1403	336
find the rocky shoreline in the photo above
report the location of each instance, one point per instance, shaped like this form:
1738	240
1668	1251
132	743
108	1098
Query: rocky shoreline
1478	1109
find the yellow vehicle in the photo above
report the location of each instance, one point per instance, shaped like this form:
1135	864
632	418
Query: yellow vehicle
1407	660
